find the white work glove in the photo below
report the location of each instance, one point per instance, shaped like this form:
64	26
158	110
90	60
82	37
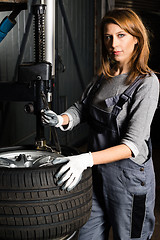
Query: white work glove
51	119
71	172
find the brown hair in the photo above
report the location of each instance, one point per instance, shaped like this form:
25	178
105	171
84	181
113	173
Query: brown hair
130	22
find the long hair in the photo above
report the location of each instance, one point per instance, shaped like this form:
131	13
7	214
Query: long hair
130	22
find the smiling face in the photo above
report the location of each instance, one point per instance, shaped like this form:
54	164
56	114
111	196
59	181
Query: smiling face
119	44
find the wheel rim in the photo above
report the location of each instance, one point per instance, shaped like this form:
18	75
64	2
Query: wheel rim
27	158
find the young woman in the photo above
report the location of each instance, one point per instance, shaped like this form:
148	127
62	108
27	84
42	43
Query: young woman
119	105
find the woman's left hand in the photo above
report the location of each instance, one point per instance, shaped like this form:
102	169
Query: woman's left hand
71	173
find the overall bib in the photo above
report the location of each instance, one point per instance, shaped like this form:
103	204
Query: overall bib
123	191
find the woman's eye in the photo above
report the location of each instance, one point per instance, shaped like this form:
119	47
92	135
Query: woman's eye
107	37
121	35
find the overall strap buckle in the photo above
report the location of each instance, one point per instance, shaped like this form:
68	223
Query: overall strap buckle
122	100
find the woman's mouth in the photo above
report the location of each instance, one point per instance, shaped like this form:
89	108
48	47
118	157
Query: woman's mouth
116	52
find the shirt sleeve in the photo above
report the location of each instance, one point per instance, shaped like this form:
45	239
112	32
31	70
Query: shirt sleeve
143	106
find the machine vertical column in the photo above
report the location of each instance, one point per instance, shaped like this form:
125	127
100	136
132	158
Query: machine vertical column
39	31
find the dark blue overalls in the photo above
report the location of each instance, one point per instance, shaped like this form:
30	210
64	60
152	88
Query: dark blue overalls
123	191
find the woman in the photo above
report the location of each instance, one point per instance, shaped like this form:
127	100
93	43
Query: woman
119	105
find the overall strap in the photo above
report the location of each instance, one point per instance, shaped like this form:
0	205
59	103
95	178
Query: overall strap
126	95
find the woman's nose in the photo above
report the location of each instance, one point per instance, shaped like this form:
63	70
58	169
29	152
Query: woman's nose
114	42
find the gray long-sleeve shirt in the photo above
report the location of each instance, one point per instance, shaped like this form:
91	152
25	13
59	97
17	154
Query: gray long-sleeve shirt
140	110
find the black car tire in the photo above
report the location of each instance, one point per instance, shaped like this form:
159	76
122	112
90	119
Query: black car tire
33	207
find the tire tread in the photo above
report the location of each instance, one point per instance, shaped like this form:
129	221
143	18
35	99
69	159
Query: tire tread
33	207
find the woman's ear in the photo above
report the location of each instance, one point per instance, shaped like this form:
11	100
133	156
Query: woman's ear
135	40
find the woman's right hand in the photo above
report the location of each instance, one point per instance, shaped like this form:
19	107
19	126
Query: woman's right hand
51	119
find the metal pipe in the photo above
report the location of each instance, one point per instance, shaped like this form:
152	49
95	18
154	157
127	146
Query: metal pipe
42	1
50	33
